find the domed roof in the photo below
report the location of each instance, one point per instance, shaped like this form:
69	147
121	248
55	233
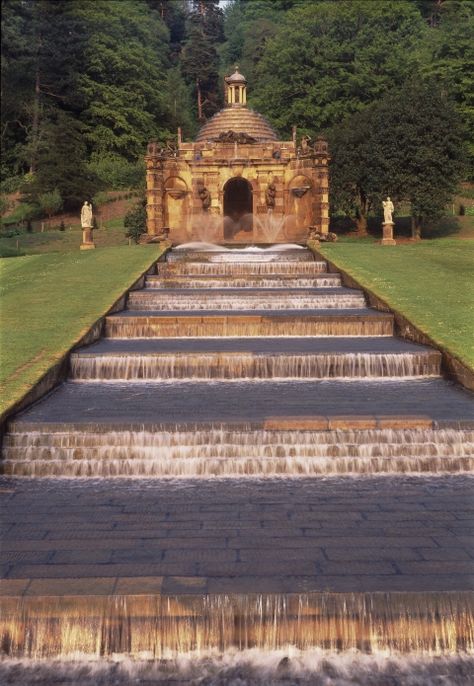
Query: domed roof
236	77
238	120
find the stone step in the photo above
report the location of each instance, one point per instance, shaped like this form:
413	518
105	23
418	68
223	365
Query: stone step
289	269
223	282
362	322
240	256
246	401
236	365
244	299
205	453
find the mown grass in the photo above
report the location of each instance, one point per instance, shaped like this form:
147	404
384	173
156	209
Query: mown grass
430	282
47	302
111	234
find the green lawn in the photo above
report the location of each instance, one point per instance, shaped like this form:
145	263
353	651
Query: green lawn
112	233
47	302
430	282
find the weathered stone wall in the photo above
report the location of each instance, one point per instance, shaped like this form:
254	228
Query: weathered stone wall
174	181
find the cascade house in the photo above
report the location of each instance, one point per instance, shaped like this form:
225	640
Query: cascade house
237	183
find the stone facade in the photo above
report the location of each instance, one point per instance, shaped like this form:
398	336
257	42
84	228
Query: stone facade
237	182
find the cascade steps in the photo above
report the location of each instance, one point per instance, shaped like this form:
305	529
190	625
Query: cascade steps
182	365
222	451
276	281
287	405
244	299
186	323
252	358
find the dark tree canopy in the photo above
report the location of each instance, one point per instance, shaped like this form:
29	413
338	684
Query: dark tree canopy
86	83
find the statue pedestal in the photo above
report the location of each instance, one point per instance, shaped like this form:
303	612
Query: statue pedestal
87	239
387	238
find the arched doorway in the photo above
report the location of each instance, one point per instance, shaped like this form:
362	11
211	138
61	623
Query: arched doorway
238	209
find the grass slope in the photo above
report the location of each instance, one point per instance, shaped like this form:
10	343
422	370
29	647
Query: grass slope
430	282
47	302
112	233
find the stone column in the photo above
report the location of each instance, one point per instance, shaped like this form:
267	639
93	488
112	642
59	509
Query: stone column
154	191
321	158
387	238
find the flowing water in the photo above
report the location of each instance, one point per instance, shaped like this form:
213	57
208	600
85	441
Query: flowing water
174	326
238	366
222	452
280	282
158	626
253	667
242	300
243	268
318	638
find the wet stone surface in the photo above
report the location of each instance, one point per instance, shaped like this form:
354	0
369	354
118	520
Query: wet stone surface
238	536
236	401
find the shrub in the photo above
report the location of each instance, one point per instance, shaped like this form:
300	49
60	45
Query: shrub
135	221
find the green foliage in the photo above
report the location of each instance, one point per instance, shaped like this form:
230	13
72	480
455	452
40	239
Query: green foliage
4	205
331	59
60	163
115	172
123	79
447	56
135	221
410	145
51	202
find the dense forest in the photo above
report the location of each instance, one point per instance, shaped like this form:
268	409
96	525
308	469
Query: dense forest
86	83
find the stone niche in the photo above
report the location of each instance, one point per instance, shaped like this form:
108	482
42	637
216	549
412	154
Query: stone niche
237	183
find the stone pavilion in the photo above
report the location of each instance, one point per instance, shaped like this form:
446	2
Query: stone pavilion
237	182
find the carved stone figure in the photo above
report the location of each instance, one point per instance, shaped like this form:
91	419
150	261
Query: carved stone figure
87	224
87	221
236	137
205	198
270	195
304	144
388	209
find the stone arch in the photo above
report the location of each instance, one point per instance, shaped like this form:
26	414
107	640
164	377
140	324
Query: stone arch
238	201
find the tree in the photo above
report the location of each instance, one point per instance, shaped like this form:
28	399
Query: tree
135	221
124	77
50	203
61	163
409	145
331	59
199	58
447	56
357	181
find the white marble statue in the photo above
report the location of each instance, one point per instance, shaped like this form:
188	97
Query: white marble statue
86	216
388	209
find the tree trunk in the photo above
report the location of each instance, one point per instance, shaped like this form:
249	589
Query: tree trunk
361	224
35	122
415	228
361	214
199	99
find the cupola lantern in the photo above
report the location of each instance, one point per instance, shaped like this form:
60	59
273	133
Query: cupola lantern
236	91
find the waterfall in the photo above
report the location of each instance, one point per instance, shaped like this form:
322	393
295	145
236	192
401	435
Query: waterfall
161	626
241	300
246	326
294	269
238	366
220	451
272	281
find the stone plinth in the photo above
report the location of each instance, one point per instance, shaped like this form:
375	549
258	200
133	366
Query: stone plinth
87	239
387	238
